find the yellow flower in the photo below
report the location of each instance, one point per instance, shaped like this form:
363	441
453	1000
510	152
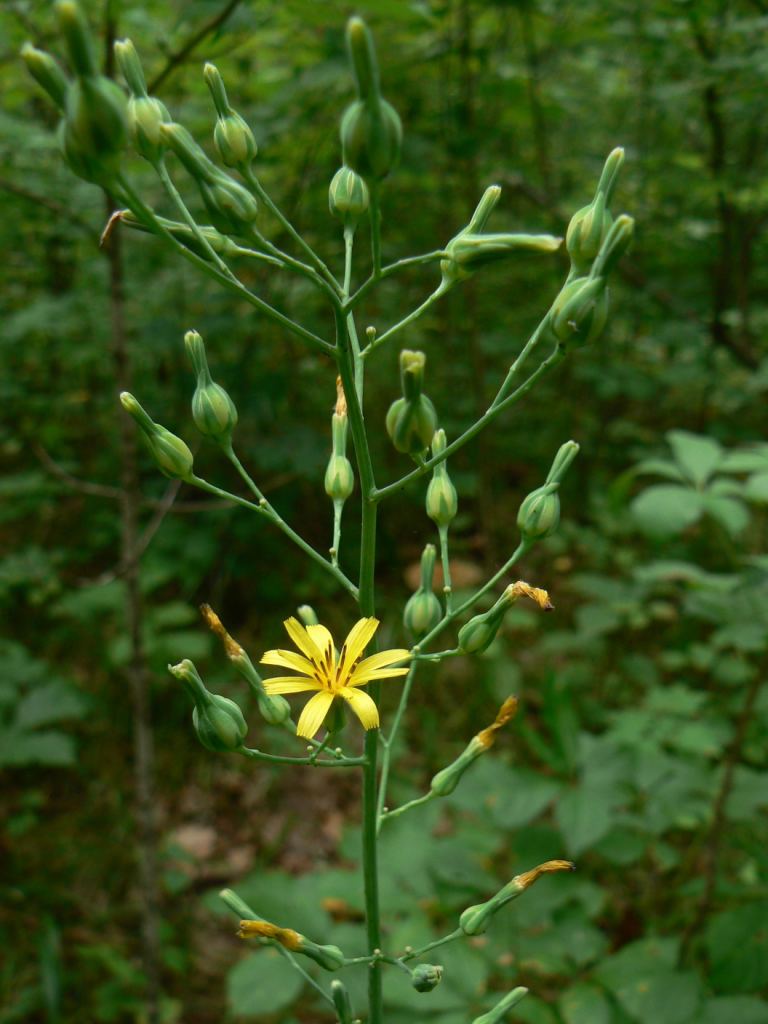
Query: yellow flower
320	669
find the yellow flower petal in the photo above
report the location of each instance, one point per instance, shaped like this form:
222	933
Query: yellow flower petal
314	713
374	675
303	640
363	706
379	661
289	684
358	639
289	659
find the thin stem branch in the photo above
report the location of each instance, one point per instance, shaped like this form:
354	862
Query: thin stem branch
415	953
388	742
339	762
417	802
392	268
441	289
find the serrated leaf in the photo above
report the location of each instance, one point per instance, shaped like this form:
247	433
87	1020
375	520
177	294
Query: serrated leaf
665	509
262	984
697	456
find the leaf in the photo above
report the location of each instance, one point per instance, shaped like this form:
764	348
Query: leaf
665	509
660	467
744	1009
737	942
729	512
48	704
669	997
527	797
262	983
585	1003
583	818
756	488
696	455
51	747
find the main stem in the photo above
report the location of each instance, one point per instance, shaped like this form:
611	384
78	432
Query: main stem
347	360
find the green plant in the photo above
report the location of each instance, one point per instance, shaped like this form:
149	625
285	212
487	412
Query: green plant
97	122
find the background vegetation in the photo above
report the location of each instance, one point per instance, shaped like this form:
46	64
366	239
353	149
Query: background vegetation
641	747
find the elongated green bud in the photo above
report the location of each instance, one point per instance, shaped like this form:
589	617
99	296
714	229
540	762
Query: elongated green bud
448	779
467	252
213	410
442	501
171	454
426	977
339	476
231	206
274	710
539	514
341	1002
371	132
307	614
348	196
502	1008
192	156
477	635
145	116
617	241
483	210
329	957
96	119
423	611
217	720
412	420
234	140
184	234
46	72
590	225
475	920
129	63
78	38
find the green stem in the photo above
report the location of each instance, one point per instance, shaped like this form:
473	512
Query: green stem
261	192
386	815
301	268
341	762
143	212
265	509
432	945
445	562
375	209
392	268
366	601
388	742
441	289
526	351
556	356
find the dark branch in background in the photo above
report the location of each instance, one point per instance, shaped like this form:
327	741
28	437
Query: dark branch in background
64	212
180	55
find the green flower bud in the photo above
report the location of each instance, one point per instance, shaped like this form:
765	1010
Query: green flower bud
145	116
590	225
501	1009
423	611
307	614
477	635
442	501
232	137
184	234
339	477
192	156
330	958
341	1002
475	920
171	454
47	73
411	420
129	63
467	252
617	241
539	514
371	132
426	977
273	709
218	721
348	196
483	210
580	312
231	206
78	38
95	169
448	779
213	410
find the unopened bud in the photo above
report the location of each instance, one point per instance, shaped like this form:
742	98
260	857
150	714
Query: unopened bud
423	610
329	957
145	115
442	500
217	720
185	235
308	615
78	38
348	196
412	420
232	137
448	779
171	454
192	156
477	635
467	252
426	977
46	72
213	410
539	514
341	1001
476	919
339	477
96	119
580	312
501	1009
231	206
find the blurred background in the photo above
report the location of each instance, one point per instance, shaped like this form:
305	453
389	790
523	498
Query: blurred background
640	748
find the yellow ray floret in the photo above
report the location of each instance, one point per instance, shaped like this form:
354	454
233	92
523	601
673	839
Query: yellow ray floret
332	675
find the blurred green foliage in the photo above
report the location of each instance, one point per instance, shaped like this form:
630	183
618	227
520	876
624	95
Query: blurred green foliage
640	749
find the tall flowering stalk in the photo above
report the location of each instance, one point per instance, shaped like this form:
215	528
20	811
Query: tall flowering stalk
99	121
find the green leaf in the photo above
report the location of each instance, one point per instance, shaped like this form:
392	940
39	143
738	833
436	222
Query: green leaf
665	509
262	984
583	819
669	997
585	1003
737	942
48	704
696	455
660	467
524	800
45	747
741	1009
729	512
756	488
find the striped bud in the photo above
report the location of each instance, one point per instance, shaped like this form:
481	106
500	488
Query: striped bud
426	977
448	779
234	140
218	721
539	514
171	454
501	1009
46	72
348	196
580	312
590	225
468	252
442	501
412	420
213	410
423	610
